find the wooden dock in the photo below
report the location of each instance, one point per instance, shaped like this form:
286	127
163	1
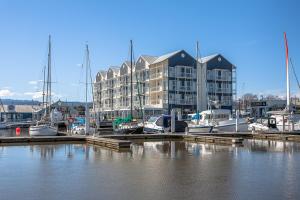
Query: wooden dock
109	143
213	139
7	140
145	136
122	142
280	137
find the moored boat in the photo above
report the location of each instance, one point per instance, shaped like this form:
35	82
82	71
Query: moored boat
46	126
162	124
43	130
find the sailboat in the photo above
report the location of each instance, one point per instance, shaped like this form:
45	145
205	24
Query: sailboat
86	129
195	125
128	126
45	127
284	120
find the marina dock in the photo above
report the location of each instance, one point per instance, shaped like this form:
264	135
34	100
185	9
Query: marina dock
123	142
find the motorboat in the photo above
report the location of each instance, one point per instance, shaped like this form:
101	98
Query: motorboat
129	128
278	121
263	124
216	120
162	124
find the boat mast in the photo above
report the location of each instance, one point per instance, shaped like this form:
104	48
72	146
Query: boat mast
287	73
44	80
48	94
86	92
131	85
198	77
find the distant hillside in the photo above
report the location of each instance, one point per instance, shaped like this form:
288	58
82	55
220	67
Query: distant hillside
19	102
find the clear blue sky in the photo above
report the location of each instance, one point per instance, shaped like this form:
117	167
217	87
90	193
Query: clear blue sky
248	33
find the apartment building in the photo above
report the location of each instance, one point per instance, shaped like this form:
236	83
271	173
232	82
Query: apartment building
220	80
161	83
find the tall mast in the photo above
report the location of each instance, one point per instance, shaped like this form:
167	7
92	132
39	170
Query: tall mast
49	78
198	77
44	82
287	73
86	92
131	86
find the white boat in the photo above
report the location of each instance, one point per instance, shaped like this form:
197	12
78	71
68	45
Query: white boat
43	130
198	128
284	120
230	124
162	124
46	127
216	120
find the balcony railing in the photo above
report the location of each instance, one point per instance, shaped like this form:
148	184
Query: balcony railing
220	90
156	89
156	75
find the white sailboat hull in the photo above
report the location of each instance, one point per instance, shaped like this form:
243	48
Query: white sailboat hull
243	127
42	130
199	129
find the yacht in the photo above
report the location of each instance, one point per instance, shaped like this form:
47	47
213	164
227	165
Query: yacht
46	126
216	120
162	124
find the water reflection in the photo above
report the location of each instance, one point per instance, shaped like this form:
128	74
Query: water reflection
272	146
152	170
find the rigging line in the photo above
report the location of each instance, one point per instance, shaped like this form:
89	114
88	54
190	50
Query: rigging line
92	88
294	72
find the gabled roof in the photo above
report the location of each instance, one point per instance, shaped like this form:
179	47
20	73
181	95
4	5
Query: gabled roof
128	63
116	69
166	56
207	58
149	59
210	57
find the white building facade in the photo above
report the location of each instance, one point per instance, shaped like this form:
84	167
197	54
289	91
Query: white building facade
161	83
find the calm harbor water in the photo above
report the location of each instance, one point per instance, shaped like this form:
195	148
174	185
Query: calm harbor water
12	132
151	170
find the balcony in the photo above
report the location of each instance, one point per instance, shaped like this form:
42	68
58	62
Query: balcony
156	75
156	89
156	102
184	75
